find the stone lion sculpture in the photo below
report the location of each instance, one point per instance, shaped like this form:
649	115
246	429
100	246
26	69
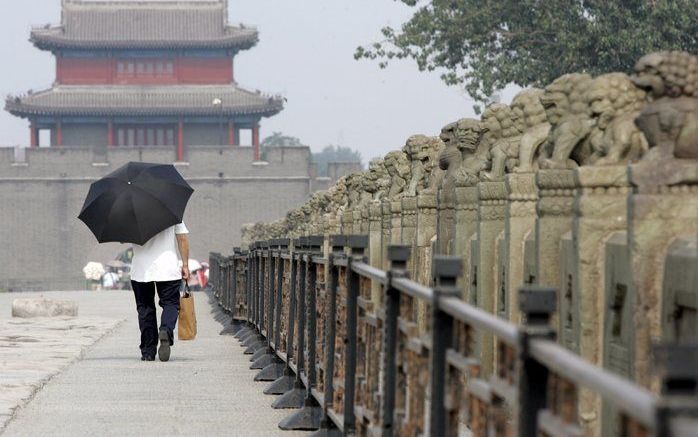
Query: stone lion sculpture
504	129
422	152
533	123
568	112
615	104
354	188
468	135
398	167
377	180
670	121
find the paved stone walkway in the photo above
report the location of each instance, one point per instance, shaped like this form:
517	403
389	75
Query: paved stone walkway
205	390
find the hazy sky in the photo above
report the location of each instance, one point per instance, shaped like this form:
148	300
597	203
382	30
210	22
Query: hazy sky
305	53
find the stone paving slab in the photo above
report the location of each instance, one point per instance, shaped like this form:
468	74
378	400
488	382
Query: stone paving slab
206	389
34	350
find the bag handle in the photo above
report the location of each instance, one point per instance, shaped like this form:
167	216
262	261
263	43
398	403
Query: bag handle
187	291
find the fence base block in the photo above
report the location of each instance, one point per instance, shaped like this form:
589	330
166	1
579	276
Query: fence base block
272	372
260	353
263	361
233	328
281	385
294	398
243	332
307	419
252	339
254	347
327	432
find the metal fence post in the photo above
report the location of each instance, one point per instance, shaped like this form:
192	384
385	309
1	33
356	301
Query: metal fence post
259	349
398	257
275	368
280	373
308	417
255	341
537	304
327	427
234	291
295	397
446	271
357	245
677	408
249	268
266	355
287	381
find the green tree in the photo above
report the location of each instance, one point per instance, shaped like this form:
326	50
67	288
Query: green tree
334	154
278	139
488	44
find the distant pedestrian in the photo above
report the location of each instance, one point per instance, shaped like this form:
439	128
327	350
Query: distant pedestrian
155	267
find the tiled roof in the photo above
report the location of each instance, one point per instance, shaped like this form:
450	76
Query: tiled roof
147	24
143	100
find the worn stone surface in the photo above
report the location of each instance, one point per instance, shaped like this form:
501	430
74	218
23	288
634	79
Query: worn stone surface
600	213
42	307
658	215
466	227
491	213
519	224
33	350
205	389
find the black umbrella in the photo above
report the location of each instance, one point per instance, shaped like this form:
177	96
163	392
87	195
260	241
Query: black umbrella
135	202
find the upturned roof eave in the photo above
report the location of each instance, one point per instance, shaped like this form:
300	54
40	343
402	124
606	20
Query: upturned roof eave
27	111
55	41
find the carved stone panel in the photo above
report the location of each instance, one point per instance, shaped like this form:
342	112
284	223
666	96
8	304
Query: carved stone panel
568	295
680	294
618	332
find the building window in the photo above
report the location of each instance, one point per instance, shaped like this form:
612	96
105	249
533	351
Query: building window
145	135
145	69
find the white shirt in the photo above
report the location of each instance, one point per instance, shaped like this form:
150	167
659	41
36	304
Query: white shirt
158	259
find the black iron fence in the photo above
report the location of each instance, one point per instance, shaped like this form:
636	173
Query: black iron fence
351	365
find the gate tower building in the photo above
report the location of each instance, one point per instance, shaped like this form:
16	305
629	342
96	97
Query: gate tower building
146	73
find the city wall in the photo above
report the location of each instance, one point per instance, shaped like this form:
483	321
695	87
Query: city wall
589	186
46	246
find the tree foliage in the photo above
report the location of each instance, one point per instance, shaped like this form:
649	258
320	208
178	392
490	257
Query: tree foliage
488	44
334	154
278	139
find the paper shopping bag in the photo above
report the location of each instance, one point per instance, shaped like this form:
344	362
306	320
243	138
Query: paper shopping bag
187	316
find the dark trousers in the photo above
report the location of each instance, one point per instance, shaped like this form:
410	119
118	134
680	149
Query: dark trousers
168	292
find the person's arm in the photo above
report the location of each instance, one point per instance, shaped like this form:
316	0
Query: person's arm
183	245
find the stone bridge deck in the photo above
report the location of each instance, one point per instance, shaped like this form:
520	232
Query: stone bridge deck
206	389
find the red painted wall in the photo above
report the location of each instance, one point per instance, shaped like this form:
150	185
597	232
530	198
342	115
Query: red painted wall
80	71
72	71
204	71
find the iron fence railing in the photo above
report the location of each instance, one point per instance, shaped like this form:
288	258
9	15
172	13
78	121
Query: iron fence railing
354	366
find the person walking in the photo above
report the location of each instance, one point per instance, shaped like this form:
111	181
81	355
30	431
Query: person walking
155	267
143	203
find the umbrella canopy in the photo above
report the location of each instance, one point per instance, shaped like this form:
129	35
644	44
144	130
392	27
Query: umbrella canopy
135	202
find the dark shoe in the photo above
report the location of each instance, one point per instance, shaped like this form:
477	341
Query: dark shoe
148	358
164	349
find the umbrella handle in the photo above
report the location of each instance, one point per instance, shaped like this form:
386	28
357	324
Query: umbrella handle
187	291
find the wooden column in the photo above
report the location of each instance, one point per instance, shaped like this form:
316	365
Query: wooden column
59	133
180	140
255	141
231	133
33	135
110	133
